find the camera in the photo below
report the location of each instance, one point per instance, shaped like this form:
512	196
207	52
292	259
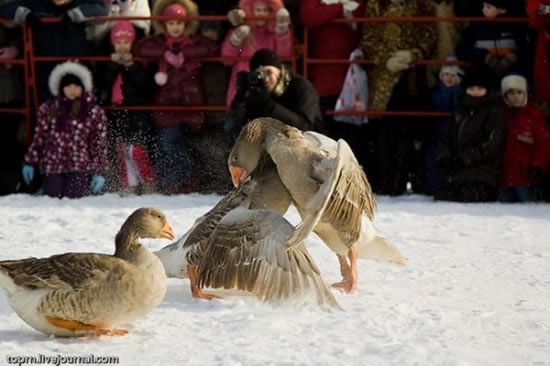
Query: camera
255	78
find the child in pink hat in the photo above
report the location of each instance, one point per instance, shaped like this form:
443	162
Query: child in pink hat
125	82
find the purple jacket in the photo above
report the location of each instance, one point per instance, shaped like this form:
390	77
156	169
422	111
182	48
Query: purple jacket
79	146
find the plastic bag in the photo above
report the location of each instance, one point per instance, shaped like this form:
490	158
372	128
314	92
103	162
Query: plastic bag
354	95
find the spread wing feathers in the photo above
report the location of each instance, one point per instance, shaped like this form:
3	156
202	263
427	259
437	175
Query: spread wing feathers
247	253
318	203
198	238
351	198
65	271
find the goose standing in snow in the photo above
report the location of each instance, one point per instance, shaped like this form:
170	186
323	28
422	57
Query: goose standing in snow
236	246
302	160
76	294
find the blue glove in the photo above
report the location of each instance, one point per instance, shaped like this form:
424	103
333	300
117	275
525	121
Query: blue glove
28	173
97	183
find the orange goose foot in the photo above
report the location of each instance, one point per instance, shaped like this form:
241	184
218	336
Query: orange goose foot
84	329
200	294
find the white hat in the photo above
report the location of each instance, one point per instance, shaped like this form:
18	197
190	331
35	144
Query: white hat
452	69
516	82
73	68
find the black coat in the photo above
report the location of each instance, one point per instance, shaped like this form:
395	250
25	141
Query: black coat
477	134
297	106
137	88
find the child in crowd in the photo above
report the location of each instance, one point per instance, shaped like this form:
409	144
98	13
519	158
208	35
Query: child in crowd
69	143
177	47
527	146
446	97
469	160
125	82
250	36
498	45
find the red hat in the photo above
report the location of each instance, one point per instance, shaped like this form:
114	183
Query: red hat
174	10
123	30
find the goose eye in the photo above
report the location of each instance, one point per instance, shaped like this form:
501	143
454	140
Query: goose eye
234	158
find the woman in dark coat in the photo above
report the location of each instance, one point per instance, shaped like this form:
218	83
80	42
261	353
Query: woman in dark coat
469	161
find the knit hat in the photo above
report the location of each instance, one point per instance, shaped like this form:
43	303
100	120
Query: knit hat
174	10
452	69
265	57
478	76
517	82
69	72
123	30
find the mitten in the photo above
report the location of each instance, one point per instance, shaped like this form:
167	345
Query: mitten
27	173
406	56
534	173
174	59
505	64
161	78
395	64
283	21
236	17
97	183
127	59
491	60
239	35
349	5
330	2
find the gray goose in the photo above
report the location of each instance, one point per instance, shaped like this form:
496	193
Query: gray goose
76	294
239	245
304	161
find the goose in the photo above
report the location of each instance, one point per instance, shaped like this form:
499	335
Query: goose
240	245
346	226
76	294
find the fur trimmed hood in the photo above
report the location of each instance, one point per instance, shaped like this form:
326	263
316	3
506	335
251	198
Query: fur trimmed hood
73	68
274	5
192	9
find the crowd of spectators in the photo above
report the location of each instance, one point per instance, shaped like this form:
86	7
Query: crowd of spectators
493	83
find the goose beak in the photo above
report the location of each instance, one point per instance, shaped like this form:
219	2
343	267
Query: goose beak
238	175
167	232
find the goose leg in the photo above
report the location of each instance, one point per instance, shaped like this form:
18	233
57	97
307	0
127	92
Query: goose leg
84	329
349	272
196	291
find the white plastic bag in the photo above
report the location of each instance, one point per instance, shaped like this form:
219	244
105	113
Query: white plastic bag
354	95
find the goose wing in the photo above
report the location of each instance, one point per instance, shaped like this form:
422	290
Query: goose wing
64	271
247	252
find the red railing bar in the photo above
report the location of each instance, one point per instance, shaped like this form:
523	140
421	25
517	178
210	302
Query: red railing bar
139	59
168	108
367	62
389	113
431	19
13	110
12	61
158	17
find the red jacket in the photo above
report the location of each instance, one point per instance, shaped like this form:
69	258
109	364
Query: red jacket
528	144
329	40
184	84
542	56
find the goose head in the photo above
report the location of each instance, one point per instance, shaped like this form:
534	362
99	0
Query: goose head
142	223
248	152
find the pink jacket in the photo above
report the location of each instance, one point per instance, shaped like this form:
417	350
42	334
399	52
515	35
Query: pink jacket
260	37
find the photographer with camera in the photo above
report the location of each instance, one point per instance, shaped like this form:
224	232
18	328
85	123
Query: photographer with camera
271	90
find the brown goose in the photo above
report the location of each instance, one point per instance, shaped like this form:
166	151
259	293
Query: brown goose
304	161
76	294
235	246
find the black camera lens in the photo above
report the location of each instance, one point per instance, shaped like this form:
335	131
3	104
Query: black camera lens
255	77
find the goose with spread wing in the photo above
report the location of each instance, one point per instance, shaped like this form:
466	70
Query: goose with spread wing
76	294
302	160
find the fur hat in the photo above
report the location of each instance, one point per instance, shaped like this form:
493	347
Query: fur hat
123	30
501	4
479	76
190	7
69	68
265	57
517	82
452	69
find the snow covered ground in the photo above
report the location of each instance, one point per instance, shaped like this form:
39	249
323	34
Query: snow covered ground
476	291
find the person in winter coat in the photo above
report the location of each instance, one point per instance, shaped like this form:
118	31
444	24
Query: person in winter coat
65	38
125	82
250	36
526	155
271	90
539	19
469	160
176	46
69	142
446	97
500	46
